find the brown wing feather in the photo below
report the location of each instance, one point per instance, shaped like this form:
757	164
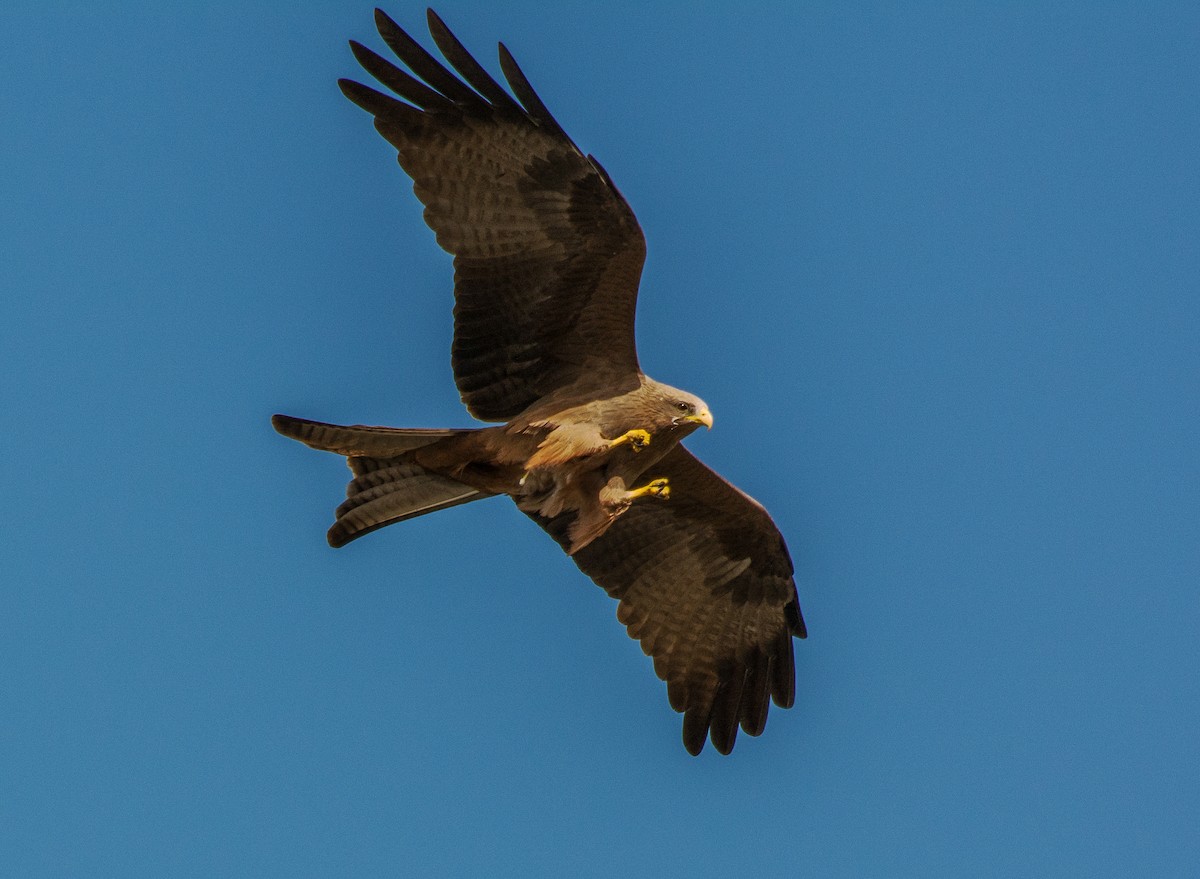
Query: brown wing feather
547	253
705	584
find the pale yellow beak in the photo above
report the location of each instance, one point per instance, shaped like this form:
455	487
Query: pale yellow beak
702	417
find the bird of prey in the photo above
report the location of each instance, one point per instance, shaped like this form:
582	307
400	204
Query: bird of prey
547	260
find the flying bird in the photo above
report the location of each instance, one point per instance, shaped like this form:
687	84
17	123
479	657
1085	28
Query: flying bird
547	260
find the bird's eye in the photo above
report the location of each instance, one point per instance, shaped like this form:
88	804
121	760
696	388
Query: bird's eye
684	406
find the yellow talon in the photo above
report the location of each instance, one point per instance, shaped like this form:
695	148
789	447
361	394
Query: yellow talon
659	488
637	438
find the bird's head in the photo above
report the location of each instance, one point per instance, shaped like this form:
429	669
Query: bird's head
680	411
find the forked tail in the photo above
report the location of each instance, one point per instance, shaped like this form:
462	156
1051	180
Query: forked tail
388	485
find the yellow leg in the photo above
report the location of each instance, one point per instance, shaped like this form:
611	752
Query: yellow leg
637	438
659	488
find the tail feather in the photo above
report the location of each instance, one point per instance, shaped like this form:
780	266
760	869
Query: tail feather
371	472
389	485
366	466
392	494
357	439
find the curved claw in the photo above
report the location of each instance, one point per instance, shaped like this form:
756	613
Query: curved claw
659	488
637	438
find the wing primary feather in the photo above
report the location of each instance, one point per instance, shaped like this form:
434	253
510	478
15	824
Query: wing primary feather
422	63
376	103
783	673
408	87
695	727
526	95
725	713
676	692
472	71
795	619
756	693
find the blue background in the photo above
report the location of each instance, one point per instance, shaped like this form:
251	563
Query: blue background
933	265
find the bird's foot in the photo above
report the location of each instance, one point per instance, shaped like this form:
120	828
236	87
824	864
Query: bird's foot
637	438
659	488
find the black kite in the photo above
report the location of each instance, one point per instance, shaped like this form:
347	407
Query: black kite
547	259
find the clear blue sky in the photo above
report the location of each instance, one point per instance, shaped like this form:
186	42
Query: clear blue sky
934	266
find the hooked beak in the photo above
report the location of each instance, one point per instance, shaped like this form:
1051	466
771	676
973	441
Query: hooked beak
702	417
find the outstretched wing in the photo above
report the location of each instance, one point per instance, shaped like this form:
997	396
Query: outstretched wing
547	253
705	584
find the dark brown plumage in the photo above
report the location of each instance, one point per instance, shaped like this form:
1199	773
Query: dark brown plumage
547	260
